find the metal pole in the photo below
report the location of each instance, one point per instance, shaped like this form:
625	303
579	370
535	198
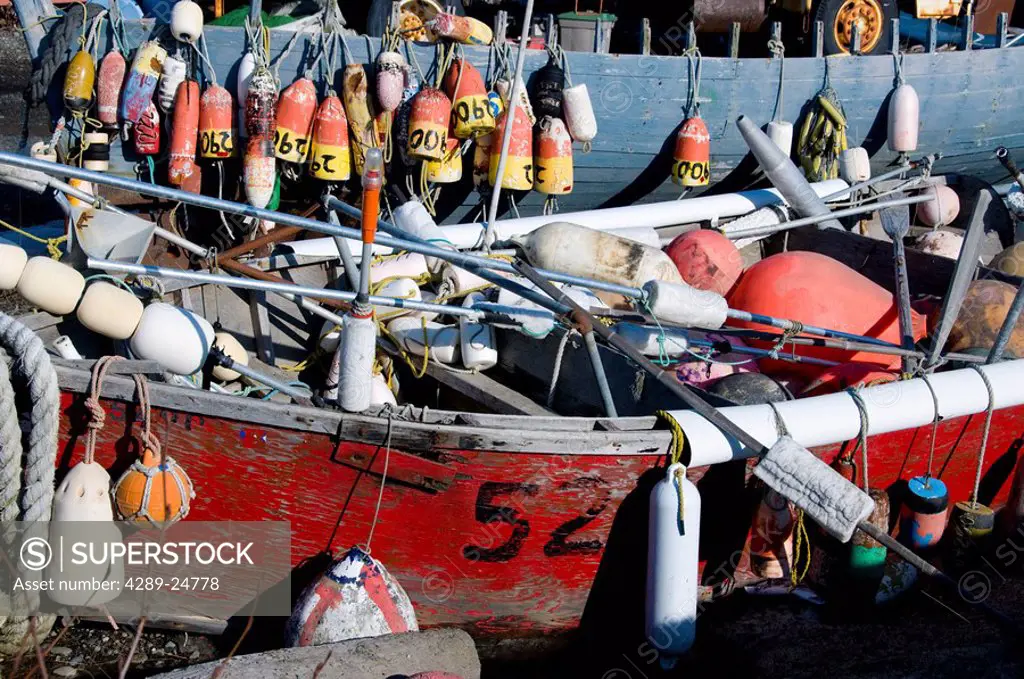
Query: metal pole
347	261
1009	325
223	359
804	221
510	119
1003	154
586	327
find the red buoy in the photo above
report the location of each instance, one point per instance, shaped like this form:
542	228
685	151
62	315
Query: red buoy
847	375
818	290
217	123
184	133
330	157
147	131
109	83
692	166
707	260
295	111
471	111
428	124
519	163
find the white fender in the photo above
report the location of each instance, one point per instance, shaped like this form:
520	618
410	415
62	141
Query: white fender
357	351
400	288
686	306
647	339
12	262
409	265
443	339
479	347
414	219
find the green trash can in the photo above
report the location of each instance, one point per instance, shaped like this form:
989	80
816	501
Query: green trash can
578	31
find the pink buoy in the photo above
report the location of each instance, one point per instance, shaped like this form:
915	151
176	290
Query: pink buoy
941	211
707	260
703	374
355	598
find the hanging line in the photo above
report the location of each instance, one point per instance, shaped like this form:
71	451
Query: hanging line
897	57
935	432
411	51
284	54
204	56
778	49
801	539
117	28
863	434
984	434
694	63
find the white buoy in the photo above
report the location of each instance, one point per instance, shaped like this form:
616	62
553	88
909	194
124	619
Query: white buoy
413	218
942	210
357	350
416	334
380	394
234	350
186	21
579	113
109	310
672	565
399	288
652	341
477	341
942	243
65	348
581	251
246	67
904	119
683	305
330	337
535	323
171	75
12	262
641	234
50	285
176	338
456	282
409	265
781	134
41	150
854	165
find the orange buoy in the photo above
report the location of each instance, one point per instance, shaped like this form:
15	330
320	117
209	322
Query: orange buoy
706	259
692	166
184	133
428	124
260	104
154	490
390	80
216	123
981	316
481	159
147	132
295	110
78	82
817	290
552	158
109	83
448	170
519	163
771	536
471	110
329	153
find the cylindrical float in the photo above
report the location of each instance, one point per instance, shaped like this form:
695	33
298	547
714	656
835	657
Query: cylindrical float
867	555
50	285
579	113
296	109
354	93
546	92
109	310
970	532
96	151
707	260
184	133
172	74
448	170
854	165
217	124
186	21
234	350
12	262
142	80
471	112
781	134
330	157
519	162
358	349
390	67
692	157
428	125
177	339
771	537
109	83
477	340
481	159
552	158
78	82
464	29
904	119
147	132
923	513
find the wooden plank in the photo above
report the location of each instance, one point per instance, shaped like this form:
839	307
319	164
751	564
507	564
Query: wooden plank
487	391
933	35
1002	22
125	367
40	320
818	39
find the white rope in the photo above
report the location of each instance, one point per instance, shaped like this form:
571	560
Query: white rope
984	434
383	482
557	369
10	448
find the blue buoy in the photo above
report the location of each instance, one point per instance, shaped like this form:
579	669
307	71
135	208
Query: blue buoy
923	514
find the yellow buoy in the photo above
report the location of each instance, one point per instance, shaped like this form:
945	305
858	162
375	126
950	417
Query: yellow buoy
79	81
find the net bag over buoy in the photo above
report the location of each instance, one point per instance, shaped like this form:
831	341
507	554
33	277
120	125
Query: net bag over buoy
355	598
184	133
155	490
330	158
428	125
692	156
519	161
707	260
216	123
296	109
142	81
109	83
471	111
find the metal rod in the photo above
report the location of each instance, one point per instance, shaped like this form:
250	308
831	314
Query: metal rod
223	359
1009	325
804	221
896	225
783	324
586	328
1003	154
347	261
510	114
913	165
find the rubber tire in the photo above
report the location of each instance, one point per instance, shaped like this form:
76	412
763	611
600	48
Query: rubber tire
826	12
57	49
380	12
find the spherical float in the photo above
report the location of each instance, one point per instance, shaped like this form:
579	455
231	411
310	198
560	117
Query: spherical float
942	243
942	210
154	490
707	260
227	343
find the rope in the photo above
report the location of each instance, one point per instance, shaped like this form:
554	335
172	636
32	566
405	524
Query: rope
787	334
204	55
676	447
897	58
52	244
97	416
863	434
778	50
283	55
984	435
935	431
694	63
557	369
801	539
10	447
383	481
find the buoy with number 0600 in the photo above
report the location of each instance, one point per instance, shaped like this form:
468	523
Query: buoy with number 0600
184	133
109	82
330	158
552	158
519	163
216	123
692	166
78	82
142	80
428	124
296	108
471	111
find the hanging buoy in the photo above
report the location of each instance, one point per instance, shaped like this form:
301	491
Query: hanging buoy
216	124
109	310
443	340
579	114
78	82
781	134
357	350
496	104
467	30
692	166
771	538
172	75
260	103
904	119
246	68
477	340
142	80
458	282
12	262
186	21
854	165
231	347
259	166
155	491
942	210
296	109
519	162
50	285
147	132
355	598
471	111
96	151
923	513
672	564
428	125
330	159
184	133
413	218
867	555
1010	261
552	159
380	393
176	338
546	94
383	125
707	260
448	170
481	159
357	109
109	83
402	116
390	69
981	315
971	526
504	88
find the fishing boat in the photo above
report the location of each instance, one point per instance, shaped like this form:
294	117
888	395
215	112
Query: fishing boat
640	101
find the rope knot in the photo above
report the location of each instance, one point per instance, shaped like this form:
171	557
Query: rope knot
97	416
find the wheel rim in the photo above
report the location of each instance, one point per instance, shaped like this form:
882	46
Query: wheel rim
867	15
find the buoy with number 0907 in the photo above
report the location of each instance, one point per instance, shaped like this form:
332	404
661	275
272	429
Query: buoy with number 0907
692	166
216	123
330	157
295	111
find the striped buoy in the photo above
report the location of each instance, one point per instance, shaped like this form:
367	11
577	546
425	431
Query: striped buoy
519	163
142	80
329	155
428	124
923	513
357	109
109	83
184	133
390	69
295	111
552	158
692	166
216	124
78	82
147	132
96	151
448	170
471	110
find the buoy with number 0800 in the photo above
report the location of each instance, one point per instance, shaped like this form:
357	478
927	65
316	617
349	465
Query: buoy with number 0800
216	123
692	166
428	124
471	111
329	152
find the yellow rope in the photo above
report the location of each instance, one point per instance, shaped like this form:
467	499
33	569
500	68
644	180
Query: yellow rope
417	372
50	243
801	543
675	448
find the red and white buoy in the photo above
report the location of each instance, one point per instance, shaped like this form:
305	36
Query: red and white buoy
471	111
184	133
259	166
109	83
142	80
147	132
552	158
295	111
428	124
